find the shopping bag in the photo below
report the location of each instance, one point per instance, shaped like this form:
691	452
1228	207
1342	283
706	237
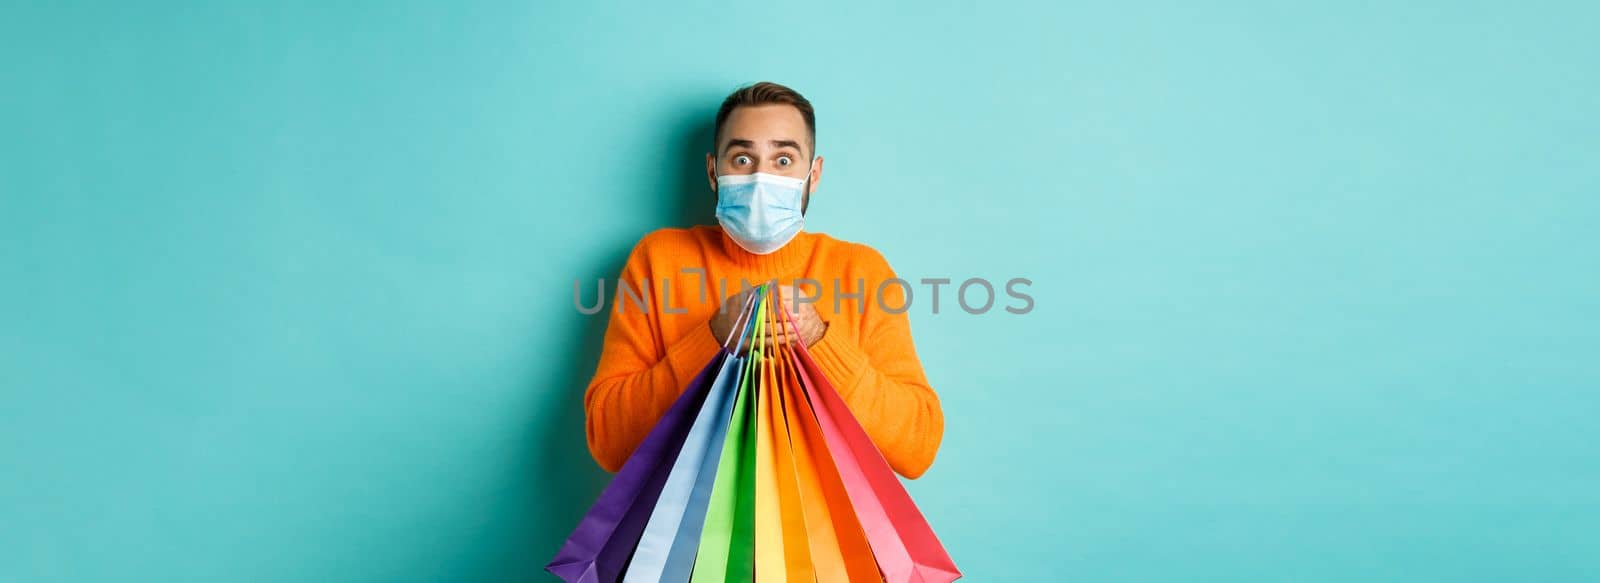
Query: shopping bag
667	548
599	547
677	507
782	550
727	540
839	547
902	542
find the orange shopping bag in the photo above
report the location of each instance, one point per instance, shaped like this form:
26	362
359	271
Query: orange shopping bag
839	547
782	551
902	542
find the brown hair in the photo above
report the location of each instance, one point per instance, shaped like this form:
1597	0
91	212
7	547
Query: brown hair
767	93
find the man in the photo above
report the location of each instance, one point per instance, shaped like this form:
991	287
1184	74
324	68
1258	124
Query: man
763	169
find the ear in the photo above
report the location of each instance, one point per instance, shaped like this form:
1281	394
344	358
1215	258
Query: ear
711	171
816	175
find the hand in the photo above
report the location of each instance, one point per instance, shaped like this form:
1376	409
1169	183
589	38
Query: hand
810	326
731	315
807	325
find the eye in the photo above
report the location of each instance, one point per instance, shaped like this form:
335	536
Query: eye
784	161
741	160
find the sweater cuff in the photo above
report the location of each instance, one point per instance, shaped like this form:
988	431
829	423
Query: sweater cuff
691	354
842	361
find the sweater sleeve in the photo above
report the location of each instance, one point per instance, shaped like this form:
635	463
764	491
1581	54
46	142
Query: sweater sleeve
881	381
638	378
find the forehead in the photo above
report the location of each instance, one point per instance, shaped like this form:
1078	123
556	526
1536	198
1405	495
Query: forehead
763	123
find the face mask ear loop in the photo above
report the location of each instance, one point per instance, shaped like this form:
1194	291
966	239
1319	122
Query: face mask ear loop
805	187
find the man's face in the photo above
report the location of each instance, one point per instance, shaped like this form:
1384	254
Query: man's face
764	138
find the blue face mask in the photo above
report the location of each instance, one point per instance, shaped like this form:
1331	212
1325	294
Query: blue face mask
761	212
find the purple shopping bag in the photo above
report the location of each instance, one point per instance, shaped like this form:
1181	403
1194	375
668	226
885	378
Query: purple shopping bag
599	547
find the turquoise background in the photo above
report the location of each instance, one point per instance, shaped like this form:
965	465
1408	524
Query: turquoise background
286	290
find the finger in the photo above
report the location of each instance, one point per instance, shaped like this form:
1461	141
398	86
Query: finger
782	338
782	330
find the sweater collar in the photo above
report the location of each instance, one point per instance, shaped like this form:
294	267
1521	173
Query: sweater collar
786	260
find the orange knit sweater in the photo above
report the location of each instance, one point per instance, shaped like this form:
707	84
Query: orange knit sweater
649	357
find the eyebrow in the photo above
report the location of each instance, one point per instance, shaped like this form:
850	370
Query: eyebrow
750	144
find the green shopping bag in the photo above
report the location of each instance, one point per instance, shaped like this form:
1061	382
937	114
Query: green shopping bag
727	541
